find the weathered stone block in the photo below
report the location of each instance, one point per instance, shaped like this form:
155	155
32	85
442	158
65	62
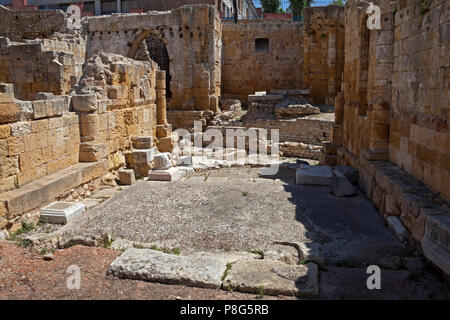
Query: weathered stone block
5	131
437	229
316	175
118	159
84	102
142	155
142	142
45	96
126	176
392	208
90	152
20	128
172	174
350	173
168	144
162	162
61	212
184	161
340	186
276	278
155	266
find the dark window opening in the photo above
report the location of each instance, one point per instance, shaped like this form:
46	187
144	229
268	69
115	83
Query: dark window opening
158	52
262	45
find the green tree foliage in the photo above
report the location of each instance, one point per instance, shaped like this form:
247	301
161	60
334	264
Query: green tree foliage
271	6
296	6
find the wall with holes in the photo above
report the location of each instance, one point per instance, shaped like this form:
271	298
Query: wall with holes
192	35
41	65
18	25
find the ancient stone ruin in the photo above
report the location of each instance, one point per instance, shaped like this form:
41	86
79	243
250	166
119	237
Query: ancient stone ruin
151	96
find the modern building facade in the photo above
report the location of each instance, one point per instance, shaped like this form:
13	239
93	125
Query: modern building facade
246	8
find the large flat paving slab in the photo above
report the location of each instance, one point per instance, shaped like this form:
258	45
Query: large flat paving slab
155	266
273	278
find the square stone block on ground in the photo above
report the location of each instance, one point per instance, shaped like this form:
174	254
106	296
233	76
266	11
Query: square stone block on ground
126	176
143	155
340	186
314	175
61	212
172	174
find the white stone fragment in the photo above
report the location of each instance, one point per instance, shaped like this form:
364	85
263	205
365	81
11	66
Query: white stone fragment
61	212
162	162
172	174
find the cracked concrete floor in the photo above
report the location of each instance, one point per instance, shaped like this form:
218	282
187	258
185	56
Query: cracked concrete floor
237	209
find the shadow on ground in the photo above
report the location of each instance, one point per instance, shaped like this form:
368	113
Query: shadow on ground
352	236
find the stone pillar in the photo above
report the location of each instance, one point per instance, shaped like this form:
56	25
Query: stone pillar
380	97
98	7
161	116
331	61
91	148
119	6
339	108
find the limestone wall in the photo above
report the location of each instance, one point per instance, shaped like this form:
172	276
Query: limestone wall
30	24
192	35
323	62
419	136
309	131
37	137
47	65
392	120
395	95
246	68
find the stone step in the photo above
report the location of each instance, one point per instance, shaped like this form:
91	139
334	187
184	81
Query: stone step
46	189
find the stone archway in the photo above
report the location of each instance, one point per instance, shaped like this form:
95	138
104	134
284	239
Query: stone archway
151	44
157	50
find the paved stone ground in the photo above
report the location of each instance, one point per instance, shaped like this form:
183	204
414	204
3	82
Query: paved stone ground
235	209
198	213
